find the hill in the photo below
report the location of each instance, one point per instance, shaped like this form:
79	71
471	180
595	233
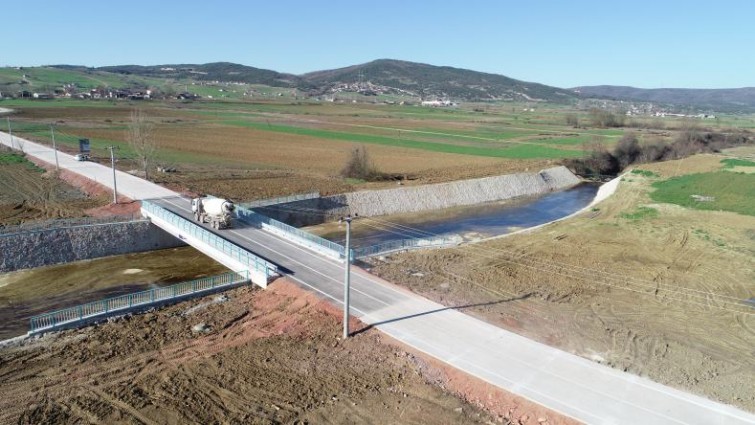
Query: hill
725	100
217	71
383	76
429	81
380	76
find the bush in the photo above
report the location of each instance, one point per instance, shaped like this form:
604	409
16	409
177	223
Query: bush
598	163
602	118
627	150
359	166
572	120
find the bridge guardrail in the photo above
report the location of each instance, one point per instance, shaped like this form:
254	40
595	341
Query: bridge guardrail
228	248
279	200
254	217
83	312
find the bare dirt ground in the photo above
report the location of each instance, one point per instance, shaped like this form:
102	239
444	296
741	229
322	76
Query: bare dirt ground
31	194
269	356
660	296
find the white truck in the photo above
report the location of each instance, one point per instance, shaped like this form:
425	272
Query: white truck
215	211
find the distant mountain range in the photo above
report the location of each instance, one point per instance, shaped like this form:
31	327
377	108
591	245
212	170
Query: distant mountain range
383	75
387	76
742	99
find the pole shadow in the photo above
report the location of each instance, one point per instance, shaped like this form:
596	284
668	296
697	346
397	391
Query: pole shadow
438	310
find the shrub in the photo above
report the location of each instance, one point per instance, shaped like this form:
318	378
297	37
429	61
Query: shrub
572	120
627	150
359	166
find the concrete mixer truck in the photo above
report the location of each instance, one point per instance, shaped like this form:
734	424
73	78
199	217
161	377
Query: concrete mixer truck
215	211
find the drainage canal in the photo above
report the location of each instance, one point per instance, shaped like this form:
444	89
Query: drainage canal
469	223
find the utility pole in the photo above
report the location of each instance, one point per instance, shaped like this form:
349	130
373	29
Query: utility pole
347	274
112	163
54	148
10	131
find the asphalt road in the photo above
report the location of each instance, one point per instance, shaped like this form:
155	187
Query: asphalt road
558	380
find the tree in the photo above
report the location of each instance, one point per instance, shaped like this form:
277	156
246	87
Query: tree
628	150
359	165
572	120
141	138
603	119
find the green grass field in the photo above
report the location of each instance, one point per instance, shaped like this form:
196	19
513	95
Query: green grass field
518	151
8	158
641	213
733	192
732	162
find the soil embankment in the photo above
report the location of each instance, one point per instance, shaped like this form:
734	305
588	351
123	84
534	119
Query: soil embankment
370	203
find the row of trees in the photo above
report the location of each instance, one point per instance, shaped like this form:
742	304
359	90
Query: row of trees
598	118
602	162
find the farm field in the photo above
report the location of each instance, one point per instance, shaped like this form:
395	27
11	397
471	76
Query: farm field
247	150
29	193
639	284
308	143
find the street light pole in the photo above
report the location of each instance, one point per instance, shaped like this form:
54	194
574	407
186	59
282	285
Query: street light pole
112	163
10	132
347	276
54	148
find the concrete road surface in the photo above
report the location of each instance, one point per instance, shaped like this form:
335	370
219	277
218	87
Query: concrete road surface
569	384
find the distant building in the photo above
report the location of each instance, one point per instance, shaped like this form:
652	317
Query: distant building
438	103
42	96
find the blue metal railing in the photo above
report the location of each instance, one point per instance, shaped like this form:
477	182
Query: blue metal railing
280	200
80	313
232	250
254	217
403	244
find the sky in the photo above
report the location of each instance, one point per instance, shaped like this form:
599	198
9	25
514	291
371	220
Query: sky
563	43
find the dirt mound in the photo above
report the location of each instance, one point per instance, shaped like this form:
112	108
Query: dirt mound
269	356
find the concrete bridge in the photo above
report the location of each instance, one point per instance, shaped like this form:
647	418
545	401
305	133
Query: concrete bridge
571	385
